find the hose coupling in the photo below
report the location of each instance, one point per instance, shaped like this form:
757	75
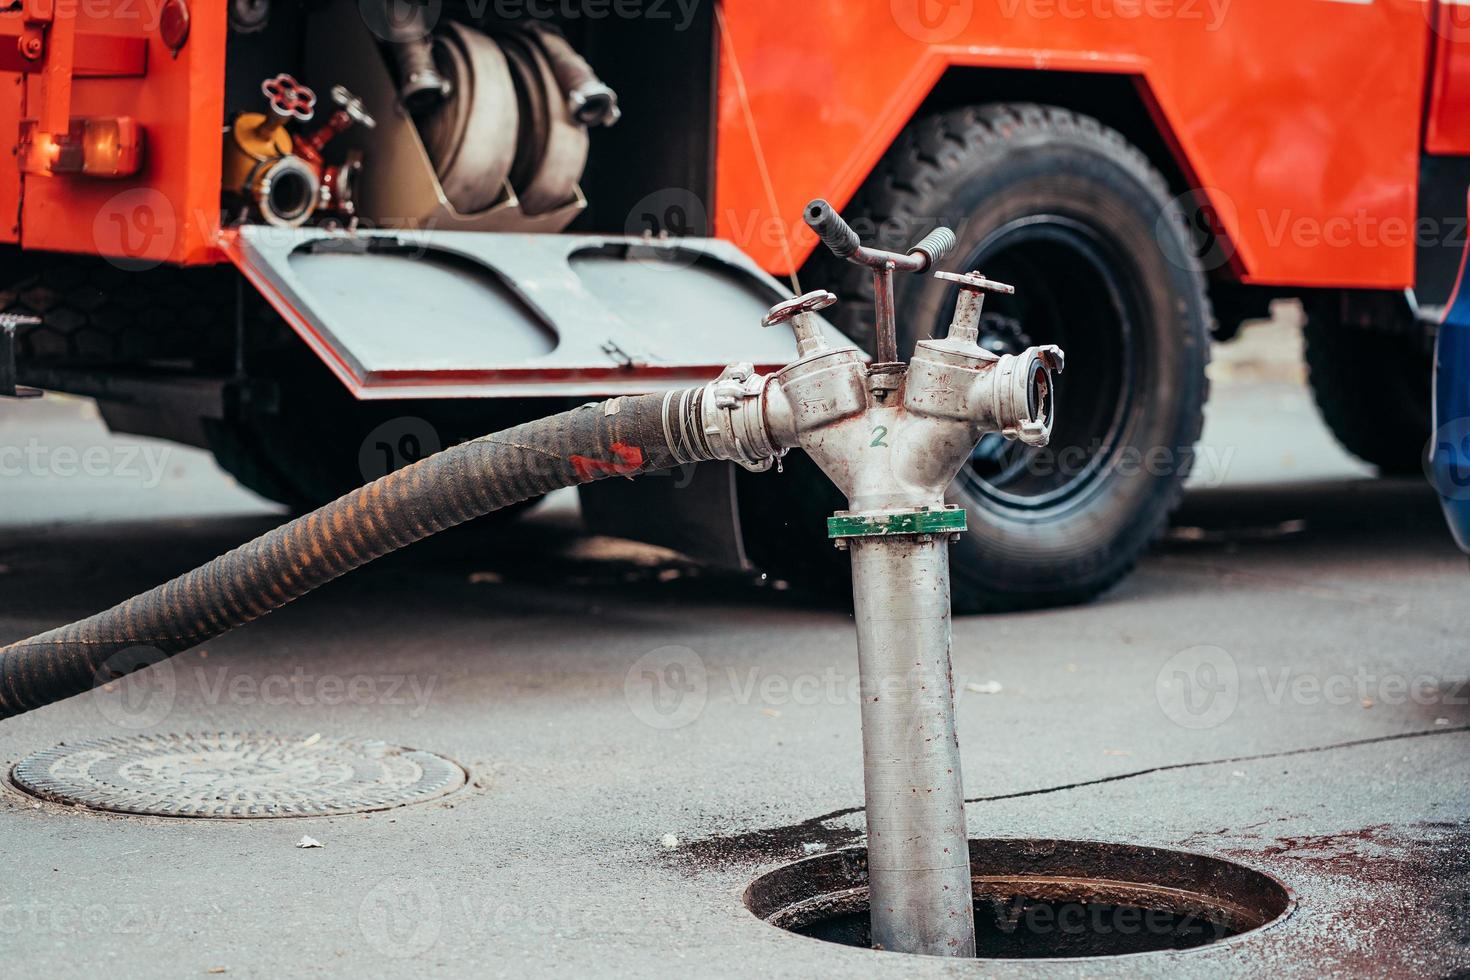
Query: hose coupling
724	419
285	191
1021	394
594	104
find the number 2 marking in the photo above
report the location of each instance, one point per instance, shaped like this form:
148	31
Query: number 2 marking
879	431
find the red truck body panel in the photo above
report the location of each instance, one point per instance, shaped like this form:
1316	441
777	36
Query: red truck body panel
1447	123
170	210
11	97
1302	120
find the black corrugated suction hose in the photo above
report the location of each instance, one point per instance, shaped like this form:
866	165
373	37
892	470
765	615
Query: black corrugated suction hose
621	437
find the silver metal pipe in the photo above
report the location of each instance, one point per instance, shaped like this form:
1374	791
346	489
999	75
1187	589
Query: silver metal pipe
918	852
892	458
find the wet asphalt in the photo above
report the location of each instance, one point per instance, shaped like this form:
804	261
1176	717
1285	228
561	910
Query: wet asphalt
1283	682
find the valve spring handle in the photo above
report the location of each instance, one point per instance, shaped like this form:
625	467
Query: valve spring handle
835	233
838	236
350	110
935	245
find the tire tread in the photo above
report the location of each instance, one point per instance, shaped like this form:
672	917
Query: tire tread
938	144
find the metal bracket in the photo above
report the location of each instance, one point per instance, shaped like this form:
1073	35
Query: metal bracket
951	520
29	42
735	385
10	324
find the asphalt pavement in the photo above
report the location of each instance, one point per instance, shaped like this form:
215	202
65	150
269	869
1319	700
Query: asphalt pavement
605	830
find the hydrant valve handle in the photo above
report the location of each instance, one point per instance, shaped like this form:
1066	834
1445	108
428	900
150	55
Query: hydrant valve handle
808	331
806	303
353	106
288	98
975	281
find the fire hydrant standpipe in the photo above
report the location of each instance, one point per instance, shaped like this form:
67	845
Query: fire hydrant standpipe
918	853
891	436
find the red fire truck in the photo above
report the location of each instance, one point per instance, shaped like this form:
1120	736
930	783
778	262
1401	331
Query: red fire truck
321	237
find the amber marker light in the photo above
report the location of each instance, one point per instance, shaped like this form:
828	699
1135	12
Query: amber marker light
93	147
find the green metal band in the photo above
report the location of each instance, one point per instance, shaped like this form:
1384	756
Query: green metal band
906	522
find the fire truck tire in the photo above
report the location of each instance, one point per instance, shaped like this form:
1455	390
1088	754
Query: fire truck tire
237	451
300	473
1077	219
320	443
1388	430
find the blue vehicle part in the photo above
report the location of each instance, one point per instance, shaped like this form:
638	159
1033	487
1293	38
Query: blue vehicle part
1448	464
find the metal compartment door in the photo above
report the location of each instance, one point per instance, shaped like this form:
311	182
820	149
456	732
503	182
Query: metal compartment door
484	315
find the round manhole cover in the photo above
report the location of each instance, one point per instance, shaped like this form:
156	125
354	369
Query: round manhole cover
251	775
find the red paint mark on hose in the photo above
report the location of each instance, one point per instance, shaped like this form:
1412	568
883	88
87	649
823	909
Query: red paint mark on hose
629	461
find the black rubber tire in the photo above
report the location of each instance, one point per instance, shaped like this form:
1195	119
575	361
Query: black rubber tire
310	450
99	316
983	171
1344	363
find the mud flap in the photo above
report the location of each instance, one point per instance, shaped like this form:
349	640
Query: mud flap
692	509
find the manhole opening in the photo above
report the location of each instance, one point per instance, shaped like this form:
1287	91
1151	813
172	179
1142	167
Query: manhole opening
1045	899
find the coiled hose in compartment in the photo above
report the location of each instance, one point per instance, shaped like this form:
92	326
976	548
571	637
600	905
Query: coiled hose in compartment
620	437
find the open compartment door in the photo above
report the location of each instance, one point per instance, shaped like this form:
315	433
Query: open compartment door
430	314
